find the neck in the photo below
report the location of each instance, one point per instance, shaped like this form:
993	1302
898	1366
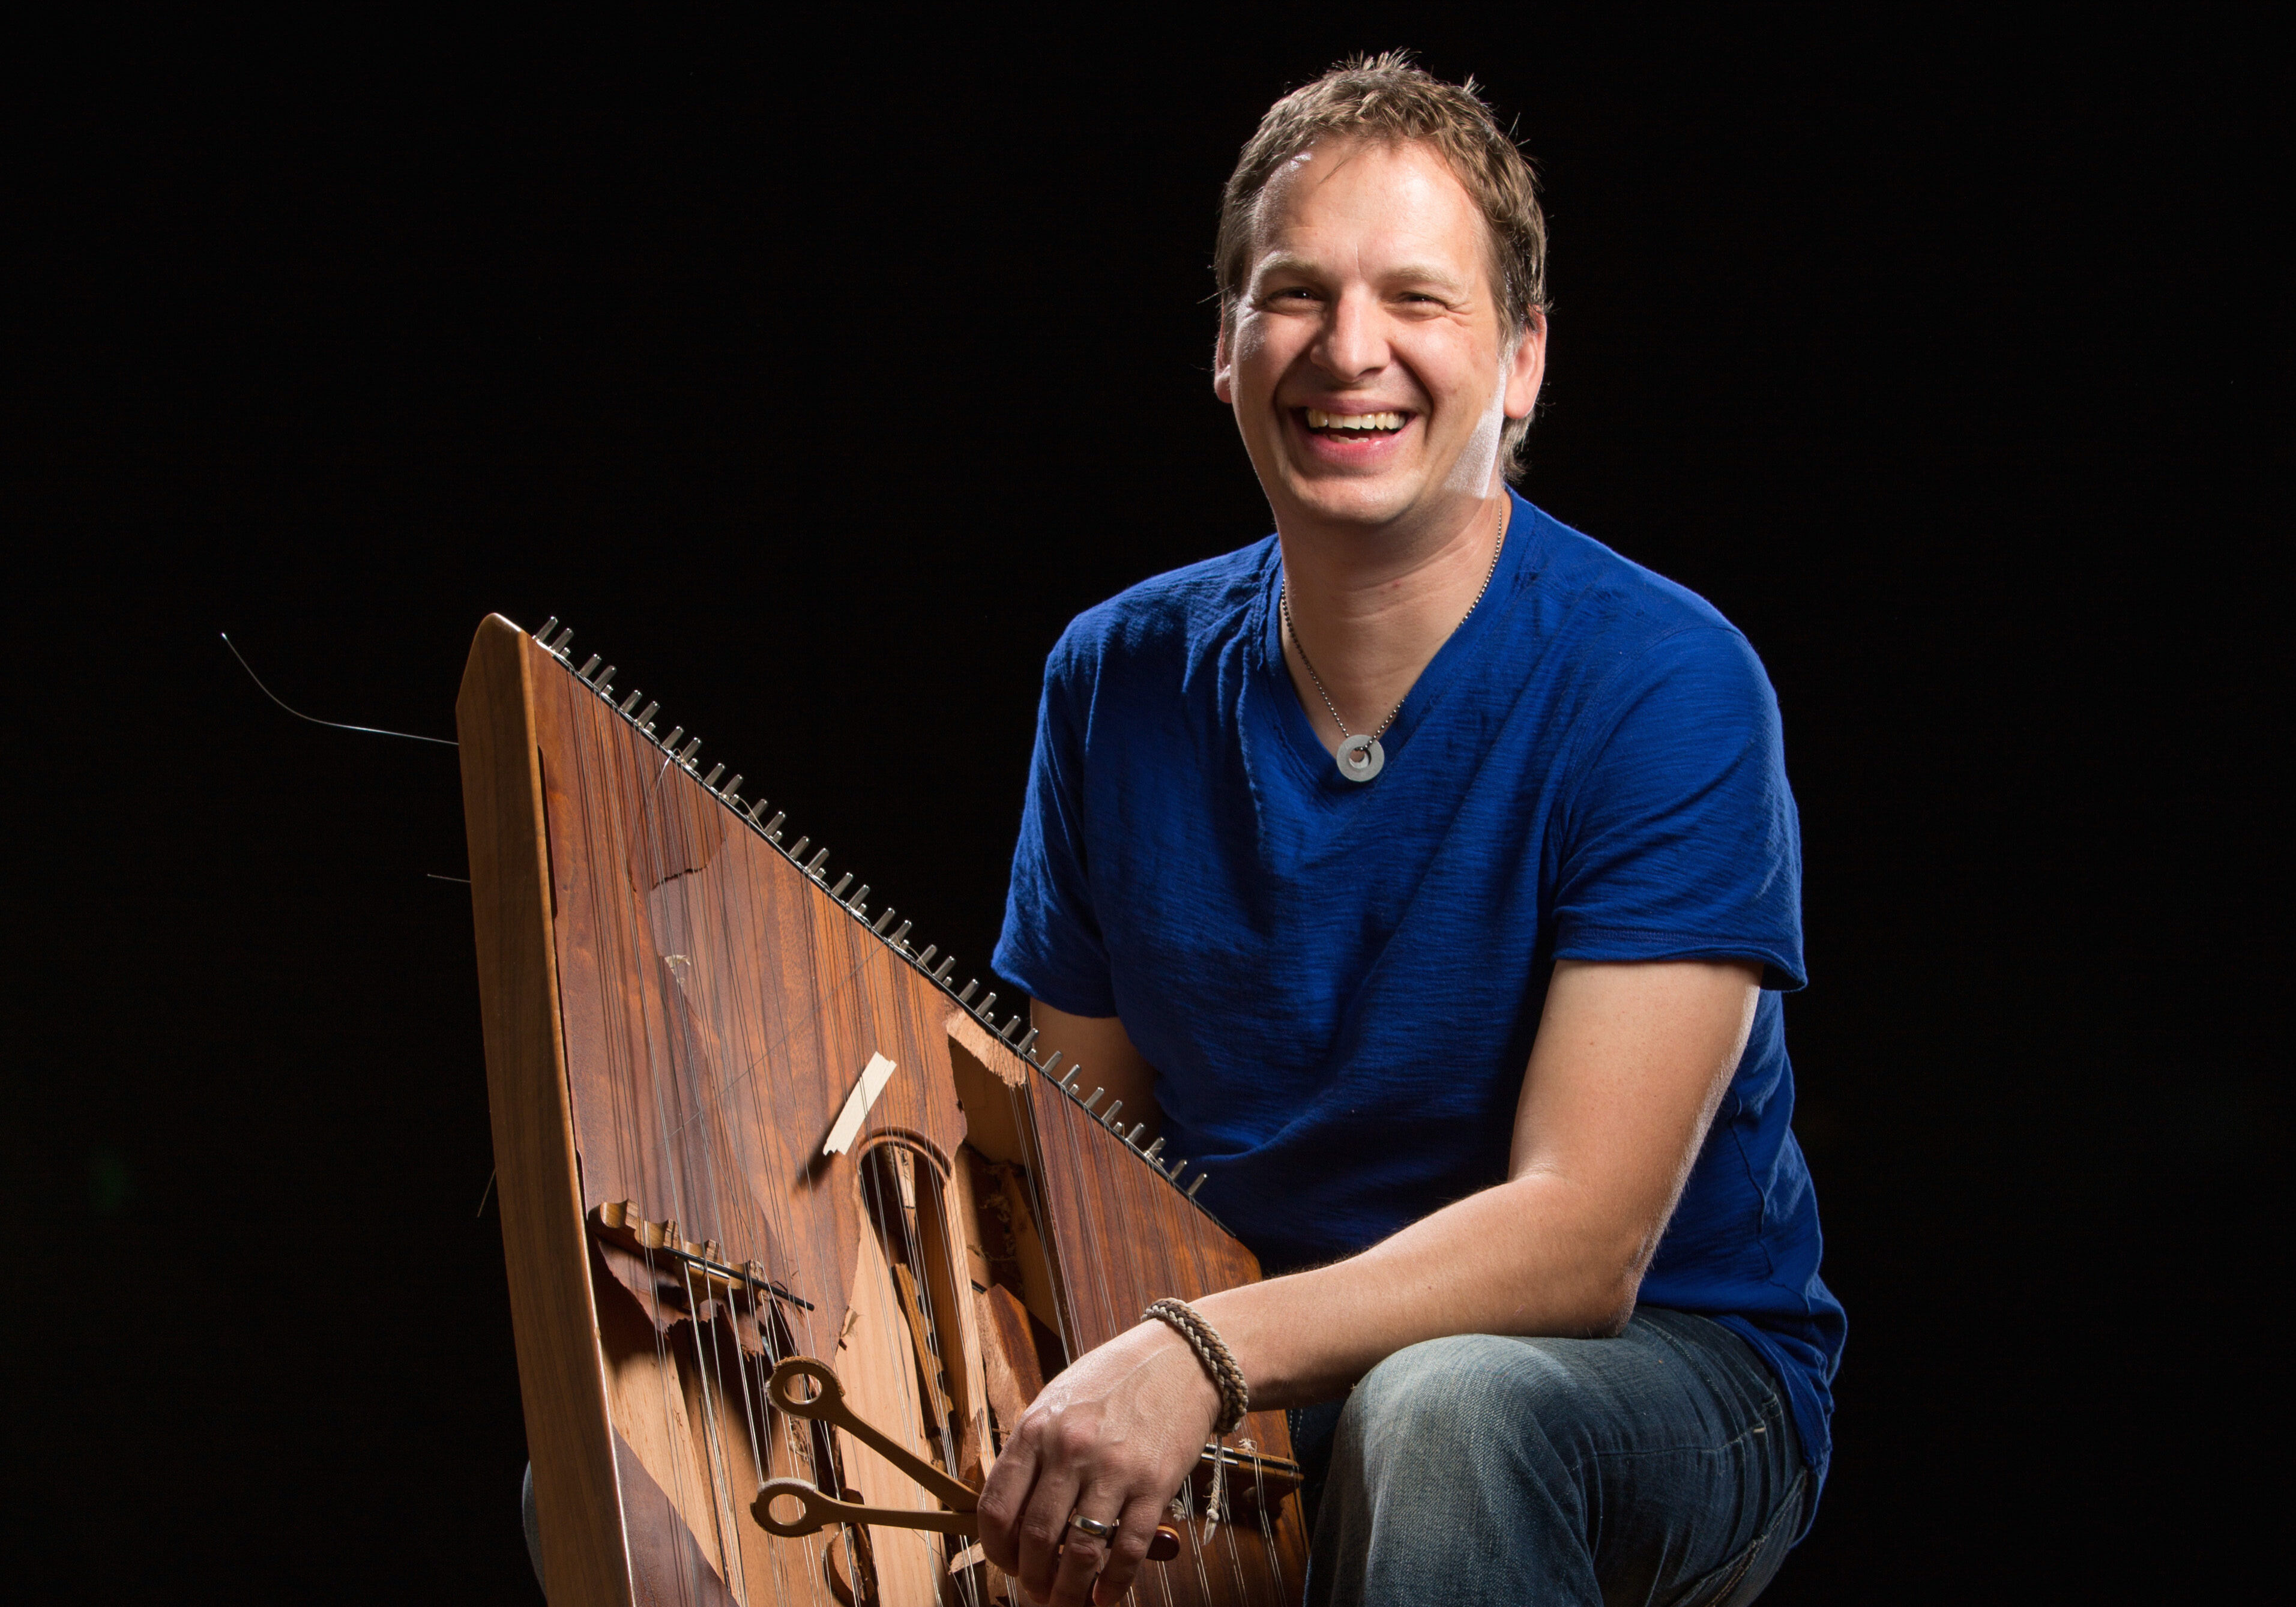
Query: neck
1372	607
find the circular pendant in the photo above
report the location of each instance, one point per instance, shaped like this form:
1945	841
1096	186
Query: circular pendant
1361	758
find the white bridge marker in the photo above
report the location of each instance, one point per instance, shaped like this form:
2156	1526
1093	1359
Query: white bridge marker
875	1076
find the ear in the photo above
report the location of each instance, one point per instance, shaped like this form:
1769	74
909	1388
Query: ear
1527	368
1223	366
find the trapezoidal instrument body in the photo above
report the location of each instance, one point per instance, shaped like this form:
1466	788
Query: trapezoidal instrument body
737	1120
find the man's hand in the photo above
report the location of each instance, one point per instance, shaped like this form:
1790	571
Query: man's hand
1112	1438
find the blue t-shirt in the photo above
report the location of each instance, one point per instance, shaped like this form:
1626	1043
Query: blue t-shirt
1338	984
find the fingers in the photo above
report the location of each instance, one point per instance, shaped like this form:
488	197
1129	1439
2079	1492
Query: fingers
1042	1529
1084	1555
1099	1568
1002	1500
1126	1549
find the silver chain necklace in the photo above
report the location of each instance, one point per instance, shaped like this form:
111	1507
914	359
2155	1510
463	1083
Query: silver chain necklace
1360	758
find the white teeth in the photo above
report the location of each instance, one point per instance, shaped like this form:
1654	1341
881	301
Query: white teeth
1319	420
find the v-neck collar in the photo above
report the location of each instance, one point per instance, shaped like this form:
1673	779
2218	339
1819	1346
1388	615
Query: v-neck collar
1302	749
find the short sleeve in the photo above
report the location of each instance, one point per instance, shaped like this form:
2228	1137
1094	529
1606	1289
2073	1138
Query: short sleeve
1050	944
1681	840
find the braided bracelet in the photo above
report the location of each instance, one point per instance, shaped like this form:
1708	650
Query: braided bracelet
1218	1361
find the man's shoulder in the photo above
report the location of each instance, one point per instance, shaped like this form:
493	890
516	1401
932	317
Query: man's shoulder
1605	594
1628	637
1175	616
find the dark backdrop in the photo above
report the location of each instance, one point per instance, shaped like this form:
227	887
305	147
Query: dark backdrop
817	381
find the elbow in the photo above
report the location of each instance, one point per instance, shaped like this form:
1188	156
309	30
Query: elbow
1606	1305
1613	1284
1607	1317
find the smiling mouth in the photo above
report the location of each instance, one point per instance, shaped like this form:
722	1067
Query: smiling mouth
1352	426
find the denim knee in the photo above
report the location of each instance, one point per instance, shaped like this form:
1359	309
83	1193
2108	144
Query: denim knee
1459	1394
1442	1469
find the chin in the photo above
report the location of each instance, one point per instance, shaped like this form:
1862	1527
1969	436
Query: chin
1370	501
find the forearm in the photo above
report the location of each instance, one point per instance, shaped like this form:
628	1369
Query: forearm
1628	1065
1529	1256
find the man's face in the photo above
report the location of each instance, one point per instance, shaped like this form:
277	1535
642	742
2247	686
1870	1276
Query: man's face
1367	364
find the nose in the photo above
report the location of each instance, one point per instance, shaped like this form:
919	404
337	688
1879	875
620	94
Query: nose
1353	343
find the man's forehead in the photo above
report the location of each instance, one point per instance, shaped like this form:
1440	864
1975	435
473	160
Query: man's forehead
1402	195
1329	158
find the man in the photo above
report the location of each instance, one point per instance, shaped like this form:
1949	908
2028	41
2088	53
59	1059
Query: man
1431	869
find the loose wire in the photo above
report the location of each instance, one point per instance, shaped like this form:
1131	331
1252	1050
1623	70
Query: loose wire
370	730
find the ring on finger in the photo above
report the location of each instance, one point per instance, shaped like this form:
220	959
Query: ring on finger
1094	1526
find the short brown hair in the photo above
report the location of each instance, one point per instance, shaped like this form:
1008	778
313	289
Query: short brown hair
1387	99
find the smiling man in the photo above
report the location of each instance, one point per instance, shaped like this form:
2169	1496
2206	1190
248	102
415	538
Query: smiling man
1432	871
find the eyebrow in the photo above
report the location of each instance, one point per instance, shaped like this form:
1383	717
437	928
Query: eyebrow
1410	273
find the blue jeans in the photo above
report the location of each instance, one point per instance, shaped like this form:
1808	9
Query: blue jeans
1657	1467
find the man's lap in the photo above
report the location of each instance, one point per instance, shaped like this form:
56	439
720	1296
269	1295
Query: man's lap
1659	1467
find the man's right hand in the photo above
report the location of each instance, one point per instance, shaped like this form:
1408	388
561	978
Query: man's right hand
1112	1439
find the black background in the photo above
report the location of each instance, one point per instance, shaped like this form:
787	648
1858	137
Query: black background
817	378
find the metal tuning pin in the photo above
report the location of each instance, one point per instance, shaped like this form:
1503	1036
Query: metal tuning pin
1050	1061
1198	1184
1026	1043
820	859
716	771
644	718
844	881
798	851
1010	1026
549	625
686	757
860	900
631	702
565	636
669	743
947	970
1133	1137
773	828
884	921
966	996
925	960
1095	1100
732	789
1108	1117
1068	1083
589	665
1153	1150
899	939
982	1008
605	681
